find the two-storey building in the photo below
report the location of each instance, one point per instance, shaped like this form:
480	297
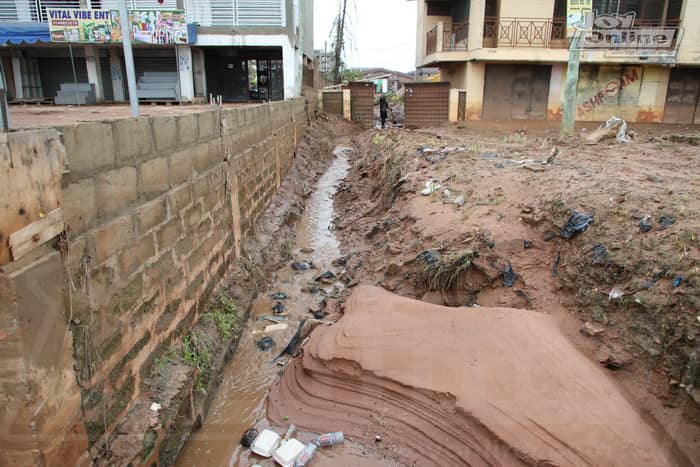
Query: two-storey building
238	49
509	59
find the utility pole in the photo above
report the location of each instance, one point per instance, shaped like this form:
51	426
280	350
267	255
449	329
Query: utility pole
568	116
129	58
339	45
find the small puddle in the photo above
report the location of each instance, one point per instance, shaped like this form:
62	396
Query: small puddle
240	401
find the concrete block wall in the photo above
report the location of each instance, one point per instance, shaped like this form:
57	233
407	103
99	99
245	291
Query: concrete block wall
156	209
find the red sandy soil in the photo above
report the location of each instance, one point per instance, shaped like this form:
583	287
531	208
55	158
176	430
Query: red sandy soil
461	386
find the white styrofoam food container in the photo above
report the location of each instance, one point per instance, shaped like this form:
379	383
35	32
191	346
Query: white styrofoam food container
288	452
266	443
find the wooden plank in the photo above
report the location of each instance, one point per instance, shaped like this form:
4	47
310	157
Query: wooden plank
37	233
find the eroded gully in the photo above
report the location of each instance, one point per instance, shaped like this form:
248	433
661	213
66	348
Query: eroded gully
240	401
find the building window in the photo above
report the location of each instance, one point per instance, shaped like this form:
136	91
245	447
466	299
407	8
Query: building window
439	9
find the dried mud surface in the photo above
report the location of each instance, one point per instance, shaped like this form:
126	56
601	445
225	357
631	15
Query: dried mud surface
461	386
645	339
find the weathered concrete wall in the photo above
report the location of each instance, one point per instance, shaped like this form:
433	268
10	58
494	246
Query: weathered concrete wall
155	209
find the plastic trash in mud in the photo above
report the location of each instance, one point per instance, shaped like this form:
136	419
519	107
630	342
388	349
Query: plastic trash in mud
156	407
305	457
459	201
293	342
609	129
275	327
645	224
488	155
508	276
266	443
320	313
275	318
527	244
290	431
600	254
446	193
330	439
666	221
431	186
677	281
288	452
555	266
279	296
578	222
278	307
327	277
266	343
249	437
548	235
615	293
302	265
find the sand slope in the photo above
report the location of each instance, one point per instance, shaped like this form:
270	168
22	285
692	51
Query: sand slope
455	386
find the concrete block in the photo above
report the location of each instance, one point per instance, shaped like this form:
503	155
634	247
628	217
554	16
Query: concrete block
89	147
181	164
208	125
116	189
200	156
80	205
169	234
136	255
216	152
200	187
113	237
151	215
154	177
187	129
180	198
164	132
133	138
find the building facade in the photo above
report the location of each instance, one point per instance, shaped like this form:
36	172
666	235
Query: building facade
241	50
510	57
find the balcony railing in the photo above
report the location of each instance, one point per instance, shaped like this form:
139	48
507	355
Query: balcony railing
525	32
447	37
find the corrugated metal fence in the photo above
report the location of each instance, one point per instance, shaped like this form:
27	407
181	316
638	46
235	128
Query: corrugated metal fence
426	104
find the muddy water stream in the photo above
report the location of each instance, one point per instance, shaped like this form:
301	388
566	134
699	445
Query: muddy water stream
240	400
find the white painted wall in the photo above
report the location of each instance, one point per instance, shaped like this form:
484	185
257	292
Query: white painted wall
184	68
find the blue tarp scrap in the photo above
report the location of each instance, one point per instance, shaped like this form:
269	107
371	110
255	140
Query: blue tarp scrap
23	32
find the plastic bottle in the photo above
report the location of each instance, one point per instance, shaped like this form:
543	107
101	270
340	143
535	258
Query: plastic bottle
290	431
304	458
330	439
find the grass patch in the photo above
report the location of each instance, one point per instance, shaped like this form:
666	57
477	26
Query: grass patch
436	273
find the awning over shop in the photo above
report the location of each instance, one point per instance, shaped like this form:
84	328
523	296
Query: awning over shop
23	32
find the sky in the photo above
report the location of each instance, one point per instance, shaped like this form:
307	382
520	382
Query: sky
383	32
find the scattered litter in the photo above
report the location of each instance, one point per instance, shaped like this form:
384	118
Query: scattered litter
446	193
534	168
274	318
290	431
307	250
341	261
377	439
614	362
592	329
548	235
499	165
287	453
156	407
327	277
655	278
608	130
278	307
508	276
293	342
302	265
527	244
266	343
249	437
320	312
311	288
265	443
330	439
459	201
666	221
578	222
489	155
522	294
276	327
552	155
555	266
615	293
645	224
431	186
305	457
600	255
279	296
677	281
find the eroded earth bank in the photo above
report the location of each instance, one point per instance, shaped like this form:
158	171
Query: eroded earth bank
484	296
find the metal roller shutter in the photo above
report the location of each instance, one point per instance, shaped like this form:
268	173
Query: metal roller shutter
162	62
57	70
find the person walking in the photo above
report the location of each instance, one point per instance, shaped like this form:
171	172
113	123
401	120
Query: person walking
383	109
